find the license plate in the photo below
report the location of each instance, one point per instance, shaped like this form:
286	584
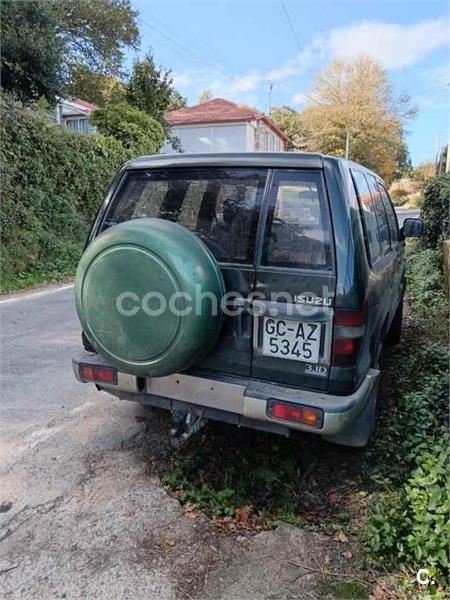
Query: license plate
294	340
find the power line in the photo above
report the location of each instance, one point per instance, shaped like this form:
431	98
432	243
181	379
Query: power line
185	49
296	38
174	32
294	33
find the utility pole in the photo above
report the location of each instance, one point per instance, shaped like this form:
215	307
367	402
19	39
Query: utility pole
347	143
436	160
447	162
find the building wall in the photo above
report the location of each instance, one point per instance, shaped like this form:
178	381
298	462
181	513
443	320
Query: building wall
230	137
211	138
266	140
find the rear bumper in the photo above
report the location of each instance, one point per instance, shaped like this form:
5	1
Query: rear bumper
245	401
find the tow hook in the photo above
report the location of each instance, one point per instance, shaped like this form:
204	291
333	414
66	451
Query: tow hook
184	424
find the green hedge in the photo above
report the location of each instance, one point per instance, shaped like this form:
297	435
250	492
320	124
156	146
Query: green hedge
53	182
435	211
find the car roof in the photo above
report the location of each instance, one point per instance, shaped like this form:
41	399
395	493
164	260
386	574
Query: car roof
312	160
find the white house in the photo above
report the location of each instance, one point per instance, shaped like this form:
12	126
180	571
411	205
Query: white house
74	114
219	125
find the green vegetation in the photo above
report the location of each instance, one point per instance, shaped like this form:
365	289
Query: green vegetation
345	590
47	45
408	523
150	89
435	210
53	182
263	475
31	56
132	127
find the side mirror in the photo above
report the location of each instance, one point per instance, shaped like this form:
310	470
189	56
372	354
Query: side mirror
411	228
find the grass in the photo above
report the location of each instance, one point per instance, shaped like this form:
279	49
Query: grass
345	590
22	281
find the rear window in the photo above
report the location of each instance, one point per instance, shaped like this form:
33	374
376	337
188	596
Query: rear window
298	230
220	205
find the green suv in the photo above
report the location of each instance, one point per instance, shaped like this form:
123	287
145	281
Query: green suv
256	289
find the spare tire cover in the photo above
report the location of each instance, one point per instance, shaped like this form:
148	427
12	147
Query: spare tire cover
133	289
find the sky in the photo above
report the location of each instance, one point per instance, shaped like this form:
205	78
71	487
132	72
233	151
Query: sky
237	48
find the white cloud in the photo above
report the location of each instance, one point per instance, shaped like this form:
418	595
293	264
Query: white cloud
246	83
440	74
395	46
242	87
181	80
298	98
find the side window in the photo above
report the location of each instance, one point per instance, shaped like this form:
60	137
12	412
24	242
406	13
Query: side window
298	231
368	215
392	217
383	224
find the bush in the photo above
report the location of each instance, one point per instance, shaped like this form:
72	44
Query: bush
399	196
435	211
424	278
132	127
53	182
408	521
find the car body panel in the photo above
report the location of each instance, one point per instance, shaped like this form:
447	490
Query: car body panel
352	284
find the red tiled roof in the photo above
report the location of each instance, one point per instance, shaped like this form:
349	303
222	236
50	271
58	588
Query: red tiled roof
88	105
219	110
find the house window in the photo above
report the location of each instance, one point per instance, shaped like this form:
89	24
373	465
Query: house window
78	125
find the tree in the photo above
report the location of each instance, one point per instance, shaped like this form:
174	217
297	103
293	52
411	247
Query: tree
96	33
134	128
205	96
355	101
404	163
150	88
31	52
424	171
95	87
46	43
177	101
290	123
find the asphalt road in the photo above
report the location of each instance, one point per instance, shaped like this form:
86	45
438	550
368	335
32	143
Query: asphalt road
406	213
82	511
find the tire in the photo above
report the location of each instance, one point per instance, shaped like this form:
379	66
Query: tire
395	331
129	280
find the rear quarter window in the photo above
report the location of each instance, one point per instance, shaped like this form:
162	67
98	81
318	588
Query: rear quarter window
368	215
298	229
390	212
383	225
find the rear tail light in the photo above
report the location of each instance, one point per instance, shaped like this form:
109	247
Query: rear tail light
348	330
97	374
349	318
296	413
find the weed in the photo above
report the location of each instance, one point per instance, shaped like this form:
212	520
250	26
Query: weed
347	590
